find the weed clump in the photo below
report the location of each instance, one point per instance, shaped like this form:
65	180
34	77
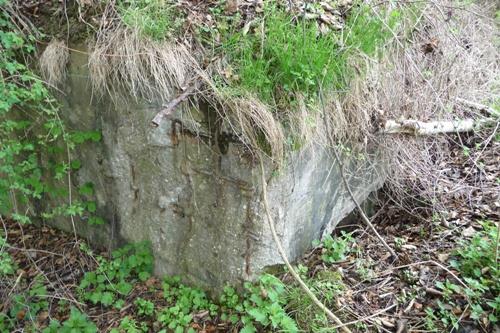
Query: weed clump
155	19
283	55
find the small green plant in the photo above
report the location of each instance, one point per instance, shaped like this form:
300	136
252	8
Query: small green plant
399	242
28	304
185	300
336	249
7	264
77	322
144	307
114	278
262	305
129	325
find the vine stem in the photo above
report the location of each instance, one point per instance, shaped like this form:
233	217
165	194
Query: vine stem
282	253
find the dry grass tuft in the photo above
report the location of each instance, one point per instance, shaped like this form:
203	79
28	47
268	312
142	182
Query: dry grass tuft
258	125
53	62
124	62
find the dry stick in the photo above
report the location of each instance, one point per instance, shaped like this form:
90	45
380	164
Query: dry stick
285	259
366	318
420	128
365	219
169	108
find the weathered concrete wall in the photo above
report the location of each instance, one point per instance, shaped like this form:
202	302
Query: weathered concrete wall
199	203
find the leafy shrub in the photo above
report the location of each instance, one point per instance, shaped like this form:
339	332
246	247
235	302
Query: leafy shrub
30	127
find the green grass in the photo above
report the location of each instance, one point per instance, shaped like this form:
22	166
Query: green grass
155	19
284	55
287	57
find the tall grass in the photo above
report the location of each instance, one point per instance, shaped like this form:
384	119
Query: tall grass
287	55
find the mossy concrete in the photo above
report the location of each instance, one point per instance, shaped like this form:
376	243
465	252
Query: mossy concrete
199	205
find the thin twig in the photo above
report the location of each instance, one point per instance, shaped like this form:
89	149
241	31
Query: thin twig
365	318
389	271
282	253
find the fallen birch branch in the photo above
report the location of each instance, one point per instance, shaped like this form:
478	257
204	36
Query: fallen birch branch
421	128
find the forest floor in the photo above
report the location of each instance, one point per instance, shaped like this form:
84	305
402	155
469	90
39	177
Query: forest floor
421	291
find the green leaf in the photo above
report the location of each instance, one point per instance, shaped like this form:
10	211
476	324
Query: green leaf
107	298
91	206
258	315
86	189
96	220
249	328
95	136
76	164
143	276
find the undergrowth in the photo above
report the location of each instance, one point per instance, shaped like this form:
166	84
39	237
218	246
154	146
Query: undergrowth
476	260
